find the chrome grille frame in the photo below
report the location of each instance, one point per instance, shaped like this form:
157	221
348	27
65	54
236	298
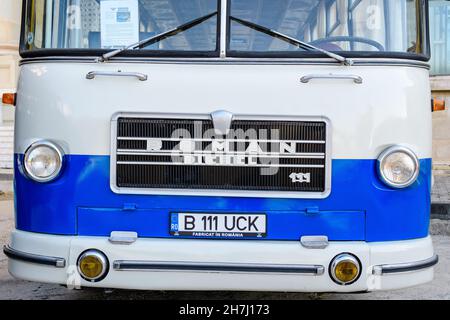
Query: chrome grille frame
220	192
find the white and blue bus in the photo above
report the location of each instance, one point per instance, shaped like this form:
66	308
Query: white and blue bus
280	145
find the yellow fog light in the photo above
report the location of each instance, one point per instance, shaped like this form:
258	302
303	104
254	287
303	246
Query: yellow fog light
345	269
93	265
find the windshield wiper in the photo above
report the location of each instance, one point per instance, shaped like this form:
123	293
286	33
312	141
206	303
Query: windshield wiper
293	41
159	37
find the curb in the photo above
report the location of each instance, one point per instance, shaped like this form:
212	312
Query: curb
7	177
440	227
440	211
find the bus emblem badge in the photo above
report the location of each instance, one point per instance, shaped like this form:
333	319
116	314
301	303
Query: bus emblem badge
222	121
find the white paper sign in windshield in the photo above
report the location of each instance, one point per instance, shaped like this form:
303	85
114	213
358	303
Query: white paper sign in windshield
119	23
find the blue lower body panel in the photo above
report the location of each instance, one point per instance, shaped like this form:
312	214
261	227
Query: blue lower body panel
360	206
281	225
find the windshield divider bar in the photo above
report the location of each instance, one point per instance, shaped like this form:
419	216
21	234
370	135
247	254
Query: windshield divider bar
223	28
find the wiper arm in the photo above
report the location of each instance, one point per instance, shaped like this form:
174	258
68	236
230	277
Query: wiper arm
293	41
159	37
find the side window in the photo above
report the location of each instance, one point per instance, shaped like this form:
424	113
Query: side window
439	37
307	33
333	19
34	38
368	20
321	20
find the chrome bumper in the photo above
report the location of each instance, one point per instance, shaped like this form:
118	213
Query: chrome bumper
33	258
122	265
165	264
129	265
405	267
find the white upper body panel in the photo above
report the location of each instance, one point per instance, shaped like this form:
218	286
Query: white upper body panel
391	106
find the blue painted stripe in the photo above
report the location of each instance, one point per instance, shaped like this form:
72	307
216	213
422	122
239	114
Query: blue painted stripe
56	207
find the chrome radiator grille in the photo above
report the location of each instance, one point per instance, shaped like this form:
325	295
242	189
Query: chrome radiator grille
186	153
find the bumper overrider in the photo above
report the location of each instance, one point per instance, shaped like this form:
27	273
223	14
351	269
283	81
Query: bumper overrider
169	264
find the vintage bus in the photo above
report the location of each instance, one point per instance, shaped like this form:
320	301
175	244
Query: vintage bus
280	145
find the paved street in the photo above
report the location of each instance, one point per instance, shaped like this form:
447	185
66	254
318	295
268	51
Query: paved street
441	190
15	289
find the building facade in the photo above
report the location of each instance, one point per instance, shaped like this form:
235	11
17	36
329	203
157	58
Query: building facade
10	11
440	77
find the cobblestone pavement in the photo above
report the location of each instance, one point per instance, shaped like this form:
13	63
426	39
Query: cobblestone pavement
441	190
12	289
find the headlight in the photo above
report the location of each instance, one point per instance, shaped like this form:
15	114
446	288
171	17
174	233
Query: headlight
398	167
43	161
93	265
345	269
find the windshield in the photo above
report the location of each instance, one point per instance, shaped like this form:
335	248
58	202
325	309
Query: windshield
374	26
114	24
255	28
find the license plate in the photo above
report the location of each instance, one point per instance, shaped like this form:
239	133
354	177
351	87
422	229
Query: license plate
218	225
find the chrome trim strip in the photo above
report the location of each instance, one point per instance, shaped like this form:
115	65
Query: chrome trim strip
356	79
318	155
33	258
180	153
228	60
143	163
93	74
405	267
220	192
130	265
229	140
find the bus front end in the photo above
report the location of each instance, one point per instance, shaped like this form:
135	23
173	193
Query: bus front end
224	145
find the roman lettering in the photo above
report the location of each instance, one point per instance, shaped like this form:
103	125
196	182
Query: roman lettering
182	310
252	160
288	147
238	223
188	159
187	146
232	225
189	223
239	159
209	311
218	146
212	159
252	223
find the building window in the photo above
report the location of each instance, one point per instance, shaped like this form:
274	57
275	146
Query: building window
439	37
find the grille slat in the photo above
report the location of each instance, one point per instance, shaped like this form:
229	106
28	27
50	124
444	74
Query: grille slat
150	156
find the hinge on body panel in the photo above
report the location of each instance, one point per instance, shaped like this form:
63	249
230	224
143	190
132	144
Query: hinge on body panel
312	210
129	207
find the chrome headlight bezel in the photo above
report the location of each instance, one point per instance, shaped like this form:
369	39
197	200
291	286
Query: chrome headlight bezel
101	258
398	149
59	154
345	257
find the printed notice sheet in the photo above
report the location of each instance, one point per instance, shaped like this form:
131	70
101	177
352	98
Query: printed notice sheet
119	23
